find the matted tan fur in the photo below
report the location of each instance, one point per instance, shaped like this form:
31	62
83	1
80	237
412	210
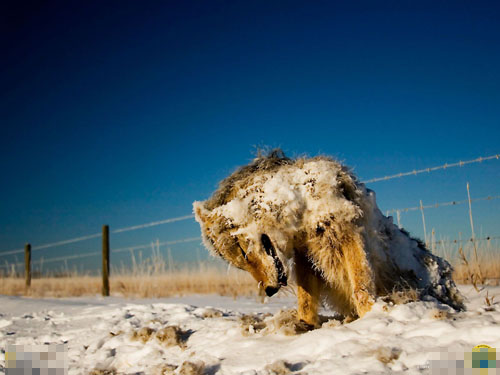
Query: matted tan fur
310	220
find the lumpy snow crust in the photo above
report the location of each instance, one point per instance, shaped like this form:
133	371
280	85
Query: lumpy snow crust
119	336
291	197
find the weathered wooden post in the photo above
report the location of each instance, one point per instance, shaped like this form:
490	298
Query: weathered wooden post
27	266
423	222
105	260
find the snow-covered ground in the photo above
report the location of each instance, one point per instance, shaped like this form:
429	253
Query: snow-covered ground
218	335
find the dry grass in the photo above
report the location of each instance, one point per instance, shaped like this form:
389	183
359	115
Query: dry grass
154	277
178	283
468	270
208	281
147	278
489	266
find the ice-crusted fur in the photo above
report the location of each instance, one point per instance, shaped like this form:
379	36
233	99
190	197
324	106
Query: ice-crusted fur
311	219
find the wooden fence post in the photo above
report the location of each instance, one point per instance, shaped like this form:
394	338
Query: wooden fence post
423	222
105	260
27	266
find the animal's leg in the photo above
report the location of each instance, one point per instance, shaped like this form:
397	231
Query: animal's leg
338	251
308	286
360	274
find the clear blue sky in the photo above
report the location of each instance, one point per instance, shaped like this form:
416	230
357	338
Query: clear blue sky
124	112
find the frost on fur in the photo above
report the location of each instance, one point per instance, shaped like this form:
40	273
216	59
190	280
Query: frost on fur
311	220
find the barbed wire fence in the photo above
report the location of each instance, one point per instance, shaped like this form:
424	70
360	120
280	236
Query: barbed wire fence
421	207
398	211
433	169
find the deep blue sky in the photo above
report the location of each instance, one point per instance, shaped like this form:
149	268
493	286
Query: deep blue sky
125	112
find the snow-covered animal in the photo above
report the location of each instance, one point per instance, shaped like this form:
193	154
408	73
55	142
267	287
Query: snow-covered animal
311	220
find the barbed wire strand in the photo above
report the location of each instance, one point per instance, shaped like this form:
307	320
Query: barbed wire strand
441	204
432	169
152	224
123	249
76	256
96	235
132	248
65	242
12	252
472	239
55	259
53	244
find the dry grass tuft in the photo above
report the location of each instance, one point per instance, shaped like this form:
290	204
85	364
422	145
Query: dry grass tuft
279	367
489	301
143	334
103	372
287	323
465	272
168	336
331	323
387	355
211	313
284	322
167	369
399	297
439	314
192	368
251	324
172	336
473	264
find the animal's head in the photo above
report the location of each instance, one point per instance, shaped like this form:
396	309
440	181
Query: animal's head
250	248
